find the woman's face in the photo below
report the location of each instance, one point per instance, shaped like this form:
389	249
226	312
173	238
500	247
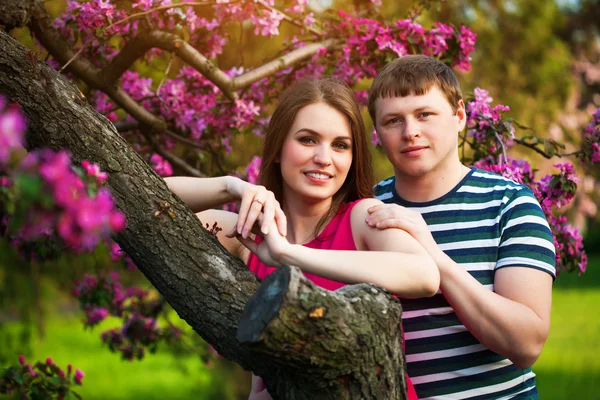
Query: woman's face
317	153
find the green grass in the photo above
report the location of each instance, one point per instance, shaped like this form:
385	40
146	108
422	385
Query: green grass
569	366
158	376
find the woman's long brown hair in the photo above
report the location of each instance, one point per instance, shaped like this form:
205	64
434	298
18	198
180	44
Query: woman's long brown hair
336	94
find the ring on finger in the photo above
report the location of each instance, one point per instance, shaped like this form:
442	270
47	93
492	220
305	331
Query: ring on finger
258	201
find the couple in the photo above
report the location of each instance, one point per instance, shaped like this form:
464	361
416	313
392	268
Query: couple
437	225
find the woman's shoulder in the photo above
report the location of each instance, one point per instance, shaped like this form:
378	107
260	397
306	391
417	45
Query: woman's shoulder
358	214
360	207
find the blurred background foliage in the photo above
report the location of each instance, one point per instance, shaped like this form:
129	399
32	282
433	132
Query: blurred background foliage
540	57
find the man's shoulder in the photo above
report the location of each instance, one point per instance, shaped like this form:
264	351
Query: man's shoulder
485	180
385	188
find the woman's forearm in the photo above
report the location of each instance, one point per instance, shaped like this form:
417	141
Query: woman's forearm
407	275
202	193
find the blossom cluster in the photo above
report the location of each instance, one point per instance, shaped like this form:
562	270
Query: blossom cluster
253	169
487	132
40	380
591	141
103	296
192	105
42	196
490	135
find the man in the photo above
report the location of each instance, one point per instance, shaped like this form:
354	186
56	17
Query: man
479	336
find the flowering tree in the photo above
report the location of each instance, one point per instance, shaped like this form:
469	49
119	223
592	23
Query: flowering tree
185	119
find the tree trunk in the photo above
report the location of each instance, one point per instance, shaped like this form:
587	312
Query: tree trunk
347	346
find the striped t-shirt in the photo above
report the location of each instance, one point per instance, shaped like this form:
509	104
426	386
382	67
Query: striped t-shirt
486	222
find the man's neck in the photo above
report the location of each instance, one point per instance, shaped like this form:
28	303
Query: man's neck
431	186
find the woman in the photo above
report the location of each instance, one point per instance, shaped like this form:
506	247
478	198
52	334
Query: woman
311	211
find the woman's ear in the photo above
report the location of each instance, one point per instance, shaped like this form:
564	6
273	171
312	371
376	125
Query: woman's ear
278	158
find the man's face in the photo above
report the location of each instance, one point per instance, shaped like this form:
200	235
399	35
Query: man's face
420	133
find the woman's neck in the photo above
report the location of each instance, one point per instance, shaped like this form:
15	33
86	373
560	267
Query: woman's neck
303	217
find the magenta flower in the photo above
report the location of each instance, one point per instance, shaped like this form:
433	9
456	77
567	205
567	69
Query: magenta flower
12	128
79	375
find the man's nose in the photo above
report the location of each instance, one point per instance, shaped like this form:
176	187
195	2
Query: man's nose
411	129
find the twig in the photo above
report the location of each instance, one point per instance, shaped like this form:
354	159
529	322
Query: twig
161	8
71	60
502	146
291	20
163	78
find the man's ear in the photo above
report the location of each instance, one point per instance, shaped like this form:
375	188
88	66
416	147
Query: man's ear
461	113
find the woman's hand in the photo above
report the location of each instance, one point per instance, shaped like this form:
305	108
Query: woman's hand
254	201
272	249
258	391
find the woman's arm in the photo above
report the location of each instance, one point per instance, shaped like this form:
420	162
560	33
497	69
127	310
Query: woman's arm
391	258
205	193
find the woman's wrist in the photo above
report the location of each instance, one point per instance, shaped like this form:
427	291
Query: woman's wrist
233	187
288	254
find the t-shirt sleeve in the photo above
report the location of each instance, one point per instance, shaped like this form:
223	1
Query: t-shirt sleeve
525	237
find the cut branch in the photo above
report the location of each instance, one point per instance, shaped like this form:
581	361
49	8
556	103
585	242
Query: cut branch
299	326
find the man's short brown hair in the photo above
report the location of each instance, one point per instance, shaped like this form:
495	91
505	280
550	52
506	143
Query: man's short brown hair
414	74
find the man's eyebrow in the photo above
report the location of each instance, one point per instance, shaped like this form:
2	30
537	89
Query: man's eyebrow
415	110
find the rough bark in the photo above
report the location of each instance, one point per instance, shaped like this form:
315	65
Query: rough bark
202	282
354	346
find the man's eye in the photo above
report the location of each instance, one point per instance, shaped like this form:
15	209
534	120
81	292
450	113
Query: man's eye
393	121
425	114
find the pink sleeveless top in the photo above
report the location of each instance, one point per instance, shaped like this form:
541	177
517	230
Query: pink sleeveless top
337	235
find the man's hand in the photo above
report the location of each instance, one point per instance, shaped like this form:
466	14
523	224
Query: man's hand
386	216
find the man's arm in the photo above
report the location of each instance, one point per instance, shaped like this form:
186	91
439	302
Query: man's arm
512	321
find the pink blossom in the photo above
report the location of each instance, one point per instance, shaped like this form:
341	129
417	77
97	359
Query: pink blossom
12	128
253	169
79	375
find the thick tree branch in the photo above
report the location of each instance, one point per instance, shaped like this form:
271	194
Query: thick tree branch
289	312
138	46
289	59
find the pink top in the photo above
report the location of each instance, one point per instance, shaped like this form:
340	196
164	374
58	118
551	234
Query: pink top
337	235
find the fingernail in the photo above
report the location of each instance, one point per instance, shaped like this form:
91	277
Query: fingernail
265	230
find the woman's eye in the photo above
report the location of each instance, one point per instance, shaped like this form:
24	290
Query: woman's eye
341	145
306	139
